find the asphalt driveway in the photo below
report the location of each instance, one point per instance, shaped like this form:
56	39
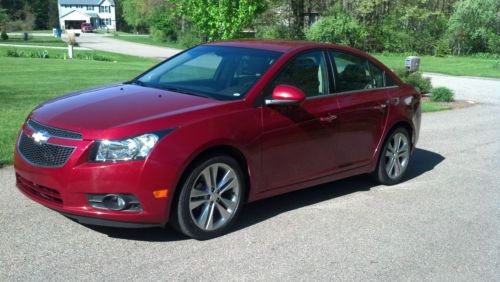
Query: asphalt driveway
442	223
108	43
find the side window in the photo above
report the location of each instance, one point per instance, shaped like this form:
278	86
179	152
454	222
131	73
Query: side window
352	72
307	72
377	76
388	80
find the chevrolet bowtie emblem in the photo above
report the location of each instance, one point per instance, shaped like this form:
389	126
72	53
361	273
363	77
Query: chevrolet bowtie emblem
40	137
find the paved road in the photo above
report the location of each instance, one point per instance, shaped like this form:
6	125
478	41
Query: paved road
107	43
441	224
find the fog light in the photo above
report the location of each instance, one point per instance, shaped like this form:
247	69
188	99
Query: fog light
114	202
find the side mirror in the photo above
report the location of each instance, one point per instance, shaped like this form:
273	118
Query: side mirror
285	94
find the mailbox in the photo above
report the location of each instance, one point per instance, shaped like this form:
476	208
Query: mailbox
412	63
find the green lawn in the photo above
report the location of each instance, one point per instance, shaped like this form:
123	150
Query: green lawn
26	83
468	66
34	40
433	107
146	40
41	31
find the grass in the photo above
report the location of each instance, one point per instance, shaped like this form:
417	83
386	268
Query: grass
41	31
452	65
34	40
433	107
29	82
146	40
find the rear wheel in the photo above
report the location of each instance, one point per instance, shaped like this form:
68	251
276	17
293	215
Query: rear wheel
211	198
394	157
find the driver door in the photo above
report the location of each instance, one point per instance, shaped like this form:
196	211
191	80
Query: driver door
297	140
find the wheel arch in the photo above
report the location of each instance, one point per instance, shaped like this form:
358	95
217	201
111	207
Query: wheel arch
222	149
406	125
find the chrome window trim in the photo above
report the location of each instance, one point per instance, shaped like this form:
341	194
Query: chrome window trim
351	92
56	128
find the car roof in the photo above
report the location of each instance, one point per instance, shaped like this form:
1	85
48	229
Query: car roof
279	45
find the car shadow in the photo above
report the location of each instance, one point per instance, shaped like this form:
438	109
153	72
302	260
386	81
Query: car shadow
422	161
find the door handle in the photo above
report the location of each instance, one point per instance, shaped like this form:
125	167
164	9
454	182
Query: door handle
329	118
380	107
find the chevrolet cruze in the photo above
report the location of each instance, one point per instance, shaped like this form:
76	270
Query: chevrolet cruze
191	140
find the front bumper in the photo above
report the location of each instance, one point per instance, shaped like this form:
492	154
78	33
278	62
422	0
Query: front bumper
109	223
64	188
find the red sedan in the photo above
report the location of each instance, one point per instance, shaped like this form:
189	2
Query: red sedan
219	125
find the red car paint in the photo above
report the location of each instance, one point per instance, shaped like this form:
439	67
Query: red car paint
86	27
282	148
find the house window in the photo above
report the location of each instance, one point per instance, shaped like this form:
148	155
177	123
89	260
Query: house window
104	9
90	8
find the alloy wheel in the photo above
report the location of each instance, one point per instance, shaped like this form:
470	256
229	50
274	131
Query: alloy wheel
214	196
397	155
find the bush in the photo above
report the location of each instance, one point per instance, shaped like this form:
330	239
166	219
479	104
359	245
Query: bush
422	84
19	25
441	48
340	28
189	40
18	53
162	26
4	35
473	25
44	54
442	94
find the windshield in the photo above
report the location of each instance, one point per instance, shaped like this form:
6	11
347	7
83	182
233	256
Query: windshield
218	72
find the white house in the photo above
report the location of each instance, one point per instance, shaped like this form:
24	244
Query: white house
99	13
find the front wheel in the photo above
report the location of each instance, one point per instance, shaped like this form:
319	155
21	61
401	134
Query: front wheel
394	158
210	199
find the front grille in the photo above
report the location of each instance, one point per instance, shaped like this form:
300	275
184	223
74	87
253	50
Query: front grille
40	191
56	132
46	155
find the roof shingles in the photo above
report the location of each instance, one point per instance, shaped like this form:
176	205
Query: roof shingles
83	2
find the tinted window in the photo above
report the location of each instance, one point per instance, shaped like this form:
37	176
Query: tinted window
352	72
307	72
215	71
377	76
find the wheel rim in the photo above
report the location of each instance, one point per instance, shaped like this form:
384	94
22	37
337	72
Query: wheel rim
214	197
397	155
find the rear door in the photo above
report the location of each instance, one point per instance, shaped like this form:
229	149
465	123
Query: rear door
363	109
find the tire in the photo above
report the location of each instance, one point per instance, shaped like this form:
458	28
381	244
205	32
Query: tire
394	157
203	210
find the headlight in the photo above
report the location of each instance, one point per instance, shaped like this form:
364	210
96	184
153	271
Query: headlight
135	148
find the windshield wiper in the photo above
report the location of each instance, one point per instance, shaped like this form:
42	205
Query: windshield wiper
183	91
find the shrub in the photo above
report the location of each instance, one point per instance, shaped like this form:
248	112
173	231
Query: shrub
422	84
15	53
339	28
189	40
162	26
44	54
442	94
441	48
19	25
473	25
4	35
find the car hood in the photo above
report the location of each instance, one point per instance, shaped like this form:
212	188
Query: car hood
101	111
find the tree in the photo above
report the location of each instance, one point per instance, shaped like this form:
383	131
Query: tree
41	12
474	26
339	27
3	17
221	19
